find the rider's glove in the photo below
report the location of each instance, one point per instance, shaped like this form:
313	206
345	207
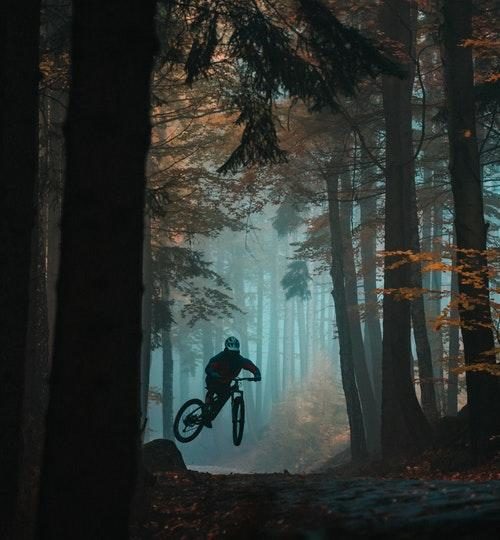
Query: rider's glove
258	377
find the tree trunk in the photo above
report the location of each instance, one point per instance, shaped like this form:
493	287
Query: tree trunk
453	351
260	337
404	427
273	356
418	318
370	413
36	379
354	412
167	390
147	316
483	391
93	434
368	250
58	104
19	34
427	222
300	307
436	340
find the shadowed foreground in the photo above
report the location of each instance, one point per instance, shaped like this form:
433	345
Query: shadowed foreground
200	505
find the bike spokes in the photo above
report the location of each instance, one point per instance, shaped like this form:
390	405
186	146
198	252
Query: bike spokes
189	420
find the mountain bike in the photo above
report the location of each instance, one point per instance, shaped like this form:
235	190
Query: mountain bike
191	417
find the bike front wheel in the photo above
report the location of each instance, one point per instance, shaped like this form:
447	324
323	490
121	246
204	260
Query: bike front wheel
238	411
189	420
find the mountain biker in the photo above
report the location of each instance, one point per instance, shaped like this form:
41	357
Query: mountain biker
220	370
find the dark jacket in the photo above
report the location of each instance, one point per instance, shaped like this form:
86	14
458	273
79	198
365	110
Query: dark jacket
228	364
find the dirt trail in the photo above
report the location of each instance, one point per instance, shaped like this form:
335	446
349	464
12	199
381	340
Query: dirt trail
200	505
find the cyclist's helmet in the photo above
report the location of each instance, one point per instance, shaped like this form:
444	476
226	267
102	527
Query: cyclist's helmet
232	344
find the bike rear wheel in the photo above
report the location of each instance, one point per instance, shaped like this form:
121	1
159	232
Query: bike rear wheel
238	413
189	420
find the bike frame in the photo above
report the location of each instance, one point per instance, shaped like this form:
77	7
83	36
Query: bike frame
235	392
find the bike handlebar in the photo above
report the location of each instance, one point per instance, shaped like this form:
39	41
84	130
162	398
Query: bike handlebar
246	379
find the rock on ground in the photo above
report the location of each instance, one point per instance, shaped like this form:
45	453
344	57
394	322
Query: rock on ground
161	455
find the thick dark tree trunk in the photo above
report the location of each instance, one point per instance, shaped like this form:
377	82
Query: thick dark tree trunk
483	390
91	452
19	33
36	379
404	427
53	218
370	411
354	411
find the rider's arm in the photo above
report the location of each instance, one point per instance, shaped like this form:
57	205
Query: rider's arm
250	366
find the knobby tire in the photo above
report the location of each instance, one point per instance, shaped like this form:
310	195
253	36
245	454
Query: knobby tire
238	413
197	425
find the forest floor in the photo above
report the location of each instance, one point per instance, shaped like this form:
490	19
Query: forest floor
198	505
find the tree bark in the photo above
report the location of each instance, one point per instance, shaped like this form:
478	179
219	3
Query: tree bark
453	352
167	390
147	317
418	318
370	413
404	427
483	393
300	307
273	355
368	250
260	337
354	411
435	338
93	434
19	35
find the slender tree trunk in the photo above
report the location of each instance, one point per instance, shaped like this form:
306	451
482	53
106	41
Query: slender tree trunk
292	340
419	322
260	337
312	325
286	347
93	435
370	413
404	427
147	315
300	307
483	393
436	340
354	411
167	391
19	33
427	222
453	351
242	325
322	319
273	356
183	372
368	250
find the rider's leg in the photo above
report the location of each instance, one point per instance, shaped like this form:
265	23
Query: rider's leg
216	398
